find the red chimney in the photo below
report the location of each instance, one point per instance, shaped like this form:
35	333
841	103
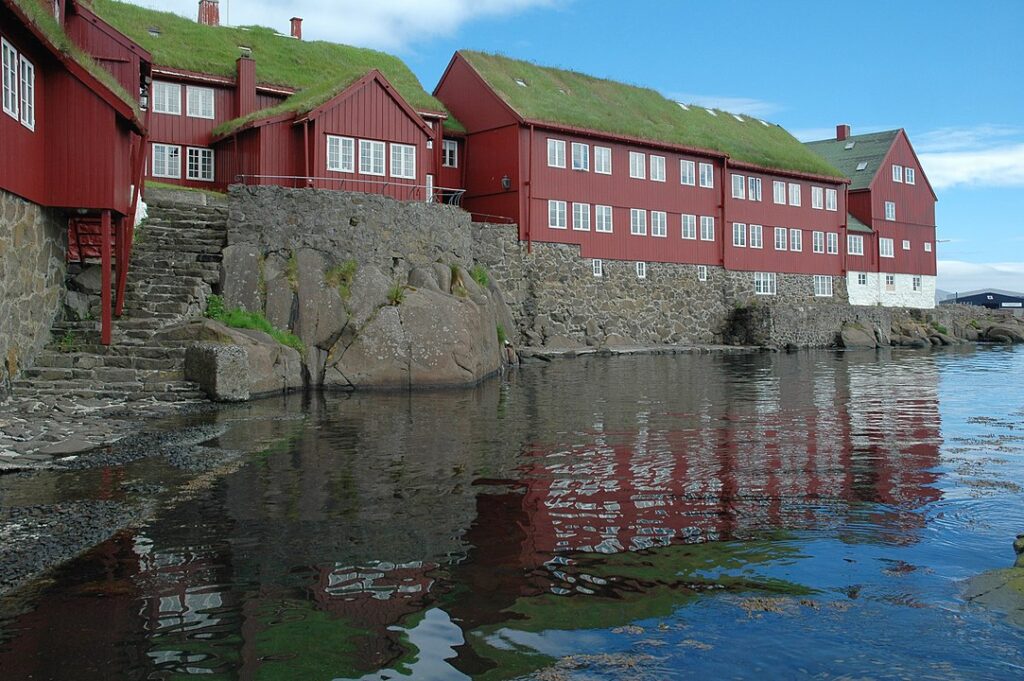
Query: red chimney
297	27
245	87
209	12
842	132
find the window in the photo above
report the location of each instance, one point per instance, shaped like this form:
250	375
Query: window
862	279
927	246
831	199
897	173
779	192
641	270
603	219
637	165
817	198
10	65
166	98
581	217
580	156
556	153
818	242
863	165
403	161
739	183
637	222
890	282
598	268
603	160
707	176
754	188
689	227
833	243
166	161
756	236
822	286
854	244
885	248
764	283
702	272
909	176
450	153
200	164
341	154
28	94
556	214
780	238
687	172
658	168
199	102
659	223
890	210
796	240
916	283
430	188
739	234
707	228
794	194
906	245
371	157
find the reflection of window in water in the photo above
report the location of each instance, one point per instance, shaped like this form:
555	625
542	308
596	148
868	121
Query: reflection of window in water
189	611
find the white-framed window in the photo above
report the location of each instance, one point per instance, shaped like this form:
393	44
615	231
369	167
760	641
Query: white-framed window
637	165
166	98
764	283
739	184
854	244
637	222
909	176
831	200
818	242
556	214
403	161
556	153
603	160
702	272
739	234
371	157
779	192
28	94
580	156
603	219
687	172
906	244
833	243
927	246
10	66
890	282
598	267
817	198
199	164
897	173
167	160
822	286
707	176
796	240
885	248
916	283
890	210
707	228
199	102
659	223
756	236
794	194
862	279
689	223
430	189
657	168
341	154
754	188
450	153
581	217
781	241
641	270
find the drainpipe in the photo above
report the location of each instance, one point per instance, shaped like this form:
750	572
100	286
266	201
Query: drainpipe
529	194
305	150
725	224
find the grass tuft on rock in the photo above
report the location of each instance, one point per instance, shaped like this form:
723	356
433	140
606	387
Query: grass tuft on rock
291	272
396	294
479	274
341	276
238	318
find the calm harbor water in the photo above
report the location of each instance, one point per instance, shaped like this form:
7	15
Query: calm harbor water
806	515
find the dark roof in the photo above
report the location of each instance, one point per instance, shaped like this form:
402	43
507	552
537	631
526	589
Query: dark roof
855	225
870	149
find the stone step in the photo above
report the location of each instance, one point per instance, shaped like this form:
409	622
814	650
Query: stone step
120	324
162	278
171	350
104	375
111	388
91	360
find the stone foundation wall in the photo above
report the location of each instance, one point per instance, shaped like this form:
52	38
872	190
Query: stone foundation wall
33	243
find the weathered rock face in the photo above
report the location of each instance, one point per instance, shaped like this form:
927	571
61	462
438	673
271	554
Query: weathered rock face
32	270
222	371
854	337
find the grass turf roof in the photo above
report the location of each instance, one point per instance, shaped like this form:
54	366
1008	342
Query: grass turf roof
869	149
575	99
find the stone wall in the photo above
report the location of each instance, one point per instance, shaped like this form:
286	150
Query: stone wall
33	244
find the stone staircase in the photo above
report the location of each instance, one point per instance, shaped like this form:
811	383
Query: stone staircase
175	266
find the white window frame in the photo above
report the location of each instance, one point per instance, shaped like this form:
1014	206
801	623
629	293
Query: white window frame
707	175
854	244
831	200
166	149
702	272
196	99
11	79
756	236
781	239
659	223
862	279
897	173
764	283
336	154
637	165
449	154
27	92
906	244
796	240
927	246
890	211
557	214
170	102
754	188
832	247
707	228
403	161
779	192
886	248
688	227
556	153
581	157
739	235
909	175
823	286
739	186
201	153
817	198
430	188
794	194
370	150
581	217
890	282
600	223
915	283
658	172
597	267
641	270
818	242
603	160
687	172
637	222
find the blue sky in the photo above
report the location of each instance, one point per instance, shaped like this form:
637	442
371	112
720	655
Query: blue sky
950	72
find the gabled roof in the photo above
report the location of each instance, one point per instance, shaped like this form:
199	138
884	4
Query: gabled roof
869	150
855	225
542	94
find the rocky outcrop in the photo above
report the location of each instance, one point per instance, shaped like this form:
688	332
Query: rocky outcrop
854	336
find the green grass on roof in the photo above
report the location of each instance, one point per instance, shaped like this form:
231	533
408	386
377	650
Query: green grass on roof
575	99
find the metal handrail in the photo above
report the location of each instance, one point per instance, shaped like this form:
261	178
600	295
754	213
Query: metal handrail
412	192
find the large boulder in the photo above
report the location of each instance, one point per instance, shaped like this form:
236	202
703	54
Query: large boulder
222	371
1004	333
854	336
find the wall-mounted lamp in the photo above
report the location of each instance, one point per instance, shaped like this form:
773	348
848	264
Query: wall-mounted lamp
506	183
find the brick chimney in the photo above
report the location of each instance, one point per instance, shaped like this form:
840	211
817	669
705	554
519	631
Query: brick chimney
842	132
245	86
297	27
209	12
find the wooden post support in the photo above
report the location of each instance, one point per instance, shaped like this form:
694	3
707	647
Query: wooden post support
105	317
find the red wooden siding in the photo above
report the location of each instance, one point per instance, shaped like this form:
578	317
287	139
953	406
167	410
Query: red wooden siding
113	51
27	177
915	213
471	100
490	156
453	177
186	130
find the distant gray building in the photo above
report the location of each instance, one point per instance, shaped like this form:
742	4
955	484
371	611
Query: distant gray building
994	299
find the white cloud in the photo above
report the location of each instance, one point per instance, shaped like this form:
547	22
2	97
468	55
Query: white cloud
958	276
741	105
384	24
985	155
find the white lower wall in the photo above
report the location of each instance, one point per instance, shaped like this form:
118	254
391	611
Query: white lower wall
874	292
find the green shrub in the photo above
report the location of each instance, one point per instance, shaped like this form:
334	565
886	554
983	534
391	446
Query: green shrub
940	328
341	276
975	324
396	294
68	342
238	318
479	275
502	337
